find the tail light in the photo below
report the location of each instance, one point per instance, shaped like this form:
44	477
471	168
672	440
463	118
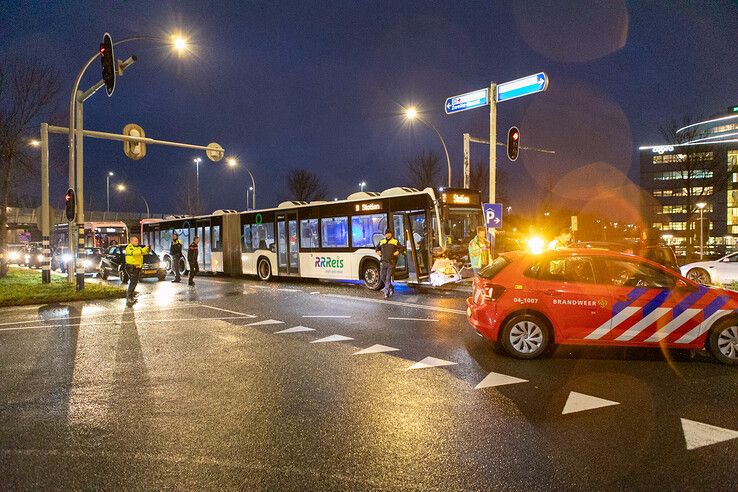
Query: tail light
493	292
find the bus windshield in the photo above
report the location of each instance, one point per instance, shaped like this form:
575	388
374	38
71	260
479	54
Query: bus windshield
461	225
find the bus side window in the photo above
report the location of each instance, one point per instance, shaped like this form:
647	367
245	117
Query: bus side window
216	238
309	234
246	242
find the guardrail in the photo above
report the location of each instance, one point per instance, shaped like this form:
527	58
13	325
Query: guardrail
17	215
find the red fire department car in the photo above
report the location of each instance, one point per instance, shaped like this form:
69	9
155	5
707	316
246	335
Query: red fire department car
527	302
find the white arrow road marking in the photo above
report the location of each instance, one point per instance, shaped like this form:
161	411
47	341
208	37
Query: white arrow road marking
228	311
376	349
430	362
316	292
282	289
332	338
266	322
497	379
697	434
578	402
294	329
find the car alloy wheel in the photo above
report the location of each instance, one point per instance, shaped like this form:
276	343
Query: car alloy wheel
525	336
699	275
723	342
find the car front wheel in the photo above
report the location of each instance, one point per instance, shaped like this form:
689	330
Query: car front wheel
723	342
699	275
525	336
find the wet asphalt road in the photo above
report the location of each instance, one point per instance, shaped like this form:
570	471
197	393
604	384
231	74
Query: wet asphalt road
181	393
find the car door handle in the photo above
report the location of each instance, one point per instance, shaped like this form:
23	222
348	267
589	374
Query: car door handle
551	292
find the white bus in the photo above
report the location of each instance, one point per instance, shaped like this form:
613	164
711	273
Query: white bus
98	234
333	240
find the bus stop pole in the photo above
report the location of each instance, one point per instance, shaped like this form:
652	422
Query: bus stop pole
45	223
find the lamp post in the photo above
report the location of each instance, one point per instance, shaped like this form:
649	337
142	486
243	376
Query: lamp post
251	188
412	114
197	162
233	163
362	185
701	206
121	187
107	187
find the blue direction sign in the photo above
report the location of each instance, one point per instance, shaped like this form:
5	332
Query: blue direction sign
470	100
521	87
492	215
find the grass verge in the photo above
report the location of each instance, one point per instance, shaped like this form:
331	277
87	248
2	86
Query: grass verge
22	287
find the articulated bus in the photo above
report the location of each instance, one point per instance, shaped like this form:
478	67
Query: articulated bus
333	240
97	234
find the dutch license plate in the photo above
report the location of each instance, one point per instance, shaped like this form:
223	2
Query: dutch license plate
149	272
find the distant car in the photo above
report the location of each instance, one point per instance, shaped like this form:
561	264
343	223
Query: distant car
34	257
90	259
660	253
15	254
527	302
114	260
722	271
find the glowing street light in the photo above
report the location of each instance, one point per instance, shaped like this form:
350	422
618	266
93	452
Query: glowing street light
107	187
233	163
34	143
121	187
179	43
411	113
362	185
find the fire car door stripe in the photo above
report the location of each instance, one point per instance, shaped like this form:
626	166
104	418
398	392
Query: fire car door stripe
632	296
690	300
712	314
672	325
612	323
642	324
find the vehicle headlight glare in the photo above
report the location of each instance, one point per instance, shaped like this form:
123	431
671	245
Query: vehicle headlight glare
40	257
536	245
66	258
87	263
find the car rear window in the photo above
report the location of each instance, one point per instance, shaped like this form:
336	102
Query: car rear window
491	270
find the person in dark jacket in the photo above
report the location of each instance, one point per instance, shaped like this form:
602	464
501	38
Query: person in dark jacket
175	253
388	249
192	252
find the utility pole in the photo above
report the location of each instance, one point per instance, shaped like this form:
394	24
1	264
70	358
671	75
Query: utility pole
45	220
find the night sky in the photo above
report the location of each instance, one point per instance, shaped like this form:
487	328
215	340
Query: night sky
321	85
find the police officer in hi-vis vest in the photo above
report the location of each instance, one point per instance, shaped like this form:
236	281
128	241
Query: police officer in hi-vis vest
388	249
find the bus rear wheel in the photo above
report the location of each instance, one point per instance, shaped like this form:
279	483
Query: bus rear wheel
264	269
370	275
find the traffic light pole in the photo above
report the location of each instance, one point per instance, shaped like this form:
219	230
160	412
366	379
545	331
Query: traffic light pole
45	222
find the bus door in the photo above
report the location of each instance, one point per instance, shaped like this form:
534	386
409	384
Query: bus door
398	223
418	239
203	230
288	255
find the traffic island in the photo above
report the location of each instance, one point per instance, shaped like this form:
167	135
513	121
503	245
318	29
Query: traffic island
21	287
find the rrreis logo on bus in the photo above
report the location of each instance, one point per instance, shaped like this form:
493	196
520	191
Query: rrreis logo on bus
328	262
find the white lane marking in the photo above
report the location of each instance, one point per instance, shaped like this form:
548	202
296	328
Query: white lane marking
612	323
412	319
63	318
316	292
497	379
332	338
228	311
672	325
697	434
295	329
325	316
703	327
398	303
259	287
376	349
202	279
266	322
430	362
579	402
124	322
634	330
283	289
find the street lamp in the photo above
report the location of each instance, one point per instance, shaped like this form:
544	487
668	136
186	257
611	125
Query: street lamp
701	206
509	210
362	185
251	188
412	114
121	187
107	187
233	163
197	162
34	143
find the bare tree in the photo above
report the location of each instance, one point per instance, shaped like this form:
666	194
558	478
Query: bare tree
305	186
479	180
423	171
28	91
700	171
187	200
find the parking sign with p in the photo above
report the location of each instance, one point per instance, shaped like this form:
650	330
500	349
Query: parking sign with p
492	215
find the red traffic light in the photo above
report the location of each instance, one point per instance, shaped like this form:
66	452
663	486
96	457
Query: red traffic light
515	135
513	143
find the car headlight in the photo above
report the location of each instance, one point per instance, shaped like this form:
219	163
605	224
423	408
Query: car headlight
66	258
86	263
14	255
536	245
28	257
40	257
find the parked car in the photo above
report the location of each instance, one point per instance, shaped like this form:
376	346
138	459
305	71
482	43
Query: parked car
114	260
722	271
91	257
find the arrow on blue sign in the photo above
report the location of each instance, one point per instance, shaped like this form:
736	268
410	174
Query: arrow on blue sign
470	100
522	87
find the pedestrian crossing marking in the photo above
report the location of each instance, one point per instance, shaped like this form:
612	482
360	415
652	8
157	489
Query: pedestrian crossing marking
332	338
295	329
430	362
376	349
579	402
697	434
497	379
266	322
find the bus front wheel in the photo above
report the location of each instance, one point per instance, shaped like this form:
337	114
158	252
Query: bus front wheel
370	275
264	269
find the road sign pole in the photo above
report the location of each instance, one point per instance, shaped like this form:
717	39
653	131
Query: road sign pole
45	227
492	152
467	163
79	174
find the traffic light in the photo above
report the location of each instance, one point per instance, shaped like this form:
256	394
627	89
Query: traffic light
513	143
108	63
70	205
